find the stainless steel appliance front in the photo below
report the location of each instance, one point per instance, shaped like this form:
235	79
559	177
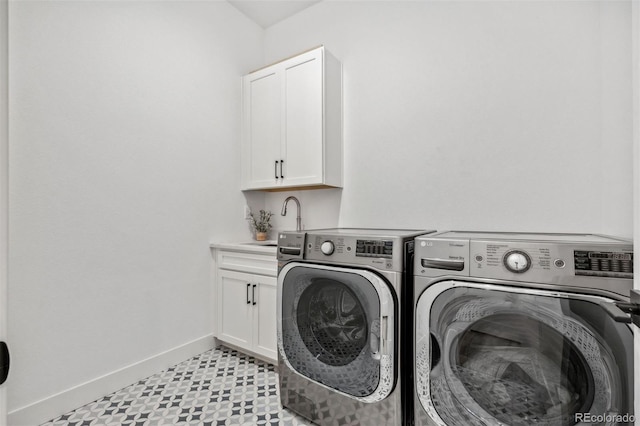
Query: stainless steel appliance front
340	325
510	329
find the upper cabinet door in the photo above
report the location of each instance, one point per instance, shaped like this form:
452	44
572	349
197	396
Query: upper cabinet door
292	124
303	127
262	127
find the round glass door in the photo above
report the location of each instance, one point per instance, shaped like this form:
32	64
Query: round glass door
516	361
330	328
332	322
486	356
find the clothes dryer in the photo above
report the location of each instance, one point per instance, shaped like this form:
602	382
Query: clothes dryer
343	328
521	329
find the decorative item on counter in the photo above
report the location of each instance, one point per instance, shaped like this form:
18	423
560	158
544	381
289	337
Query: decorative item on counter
261	224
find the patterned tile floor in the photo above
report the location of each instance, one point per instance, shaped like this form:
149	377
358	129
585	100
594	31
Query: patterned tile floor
218	387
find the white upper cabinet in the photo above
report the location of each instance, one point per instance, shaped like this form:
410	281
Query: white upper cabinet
292	124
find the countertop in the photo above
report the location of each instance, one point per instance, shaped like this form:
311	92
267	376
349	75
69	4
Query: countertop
261	247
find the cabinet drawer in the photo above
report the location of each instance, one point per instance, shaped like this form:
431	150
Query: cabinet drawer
245	262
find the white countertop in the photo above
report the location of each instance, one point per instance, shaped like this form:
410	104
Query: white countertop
263	247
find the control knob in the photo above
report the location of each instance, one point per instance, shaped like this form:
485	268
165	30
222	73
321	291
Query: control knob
517	261
327	248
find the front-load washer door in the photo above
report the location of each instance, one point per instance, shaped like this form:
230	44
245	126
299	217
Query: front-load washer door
501	355
336	327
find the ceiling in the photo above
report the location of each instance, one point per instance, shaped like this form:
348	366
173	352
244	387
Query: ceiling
268	12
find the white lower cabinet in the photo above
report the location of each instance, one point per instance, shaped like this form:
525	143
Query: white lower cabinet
246	307
265	336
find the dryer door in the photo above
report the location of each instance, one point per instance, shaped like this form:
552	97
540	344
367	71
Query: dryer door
494	355
336	327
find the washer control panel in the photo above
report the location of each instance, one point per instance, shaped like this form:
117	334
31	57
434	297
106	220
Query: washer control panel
376	252
374	248
573	260
327	248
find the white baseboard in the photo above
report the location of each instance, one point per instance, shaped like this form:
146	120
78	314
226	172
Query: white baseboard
77	396
266	359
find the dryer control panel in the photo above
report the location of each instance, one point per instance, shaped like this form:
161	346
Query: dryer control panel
603	263
576	260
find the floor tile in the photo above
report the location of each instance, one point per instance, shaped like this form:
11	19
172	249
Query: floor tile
218	387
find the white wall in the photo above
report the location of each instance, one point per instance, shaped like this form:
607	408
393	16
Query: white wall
4	187
476	115
124	166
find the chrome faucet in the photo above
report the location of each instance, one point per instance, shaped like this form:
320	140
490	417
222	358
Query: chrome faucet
298	219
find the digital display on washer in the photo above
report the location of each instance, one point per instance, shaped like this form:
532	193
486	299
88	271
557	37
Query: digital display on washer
374	248
603	264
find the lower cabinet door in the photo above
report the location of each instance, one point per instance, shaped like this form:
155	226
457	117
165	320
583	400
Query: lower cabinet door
235	308
264	317
247	306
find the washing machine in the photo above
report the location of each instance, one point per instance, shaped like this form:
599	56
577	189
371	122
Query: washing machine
522	329
343	325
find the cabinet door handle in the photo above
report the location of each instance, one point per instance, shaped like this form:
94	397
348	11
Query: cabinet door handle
248	301
253	294
281	173
275	169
